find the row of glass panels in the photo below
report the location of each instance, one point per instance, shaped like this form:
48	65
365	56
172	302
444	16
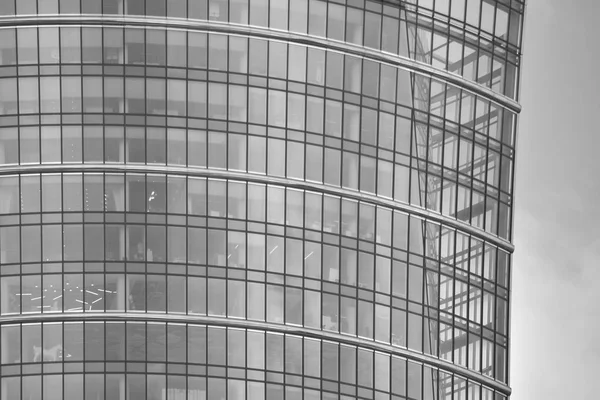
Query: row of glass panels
235	201
155	386
197	50
172	194
447	337
315	17
200	350
335	115
238	152
134	291
148	244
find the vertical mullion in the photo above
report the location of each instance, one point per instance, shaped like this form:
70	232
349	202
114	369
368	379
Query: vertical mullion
126	242
40	199
145	177
167	237
104	81
60	99
427	145
493	322
507	319
227	250
288	137
459	137
435	351
285	253
325	112
126	358
39	80
303	265
322	264
226	333
304	117
374	276
407	311
471	242
186	301
84	325
472	169
288	14
206	258
360	131
145	324
105	330
18	108
265	129
268	13
342	138
166	381
453	296
246	125
377	129
227	105
187	361
246	257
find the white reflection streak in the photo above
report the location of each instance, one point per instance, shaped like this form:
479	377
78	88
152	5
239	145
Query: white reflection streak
274	248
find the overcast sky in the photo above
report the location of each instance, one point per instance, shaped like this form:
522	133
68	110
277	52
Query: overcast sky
556	274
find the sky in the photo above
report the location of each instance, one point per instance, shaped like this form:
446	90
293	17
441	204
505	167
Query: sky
555	352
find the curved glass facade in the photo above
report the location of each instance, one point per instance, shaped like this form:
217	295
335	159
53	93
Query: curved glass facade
256	199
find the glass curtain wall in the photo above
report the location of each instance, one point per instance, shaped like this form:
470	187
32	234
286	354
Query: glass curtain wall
262	199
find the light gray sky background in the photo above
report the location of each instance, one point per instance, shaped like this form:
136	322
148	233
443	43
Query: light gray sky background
555	351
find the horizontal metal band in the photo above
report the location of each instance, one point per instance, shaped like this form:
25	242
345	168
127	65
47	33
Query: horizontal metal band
266	33
264	179
265	326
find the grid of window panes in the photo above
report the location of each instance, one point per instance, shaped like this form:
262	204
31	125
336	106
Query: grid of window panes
152	360
256	106
136	242
109	140
477	39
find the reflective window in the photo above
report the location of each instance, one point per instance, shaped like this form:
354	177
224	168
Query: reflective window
144	241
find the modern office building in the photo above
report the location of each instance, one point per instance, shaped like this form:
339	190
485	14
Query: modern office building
256	199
